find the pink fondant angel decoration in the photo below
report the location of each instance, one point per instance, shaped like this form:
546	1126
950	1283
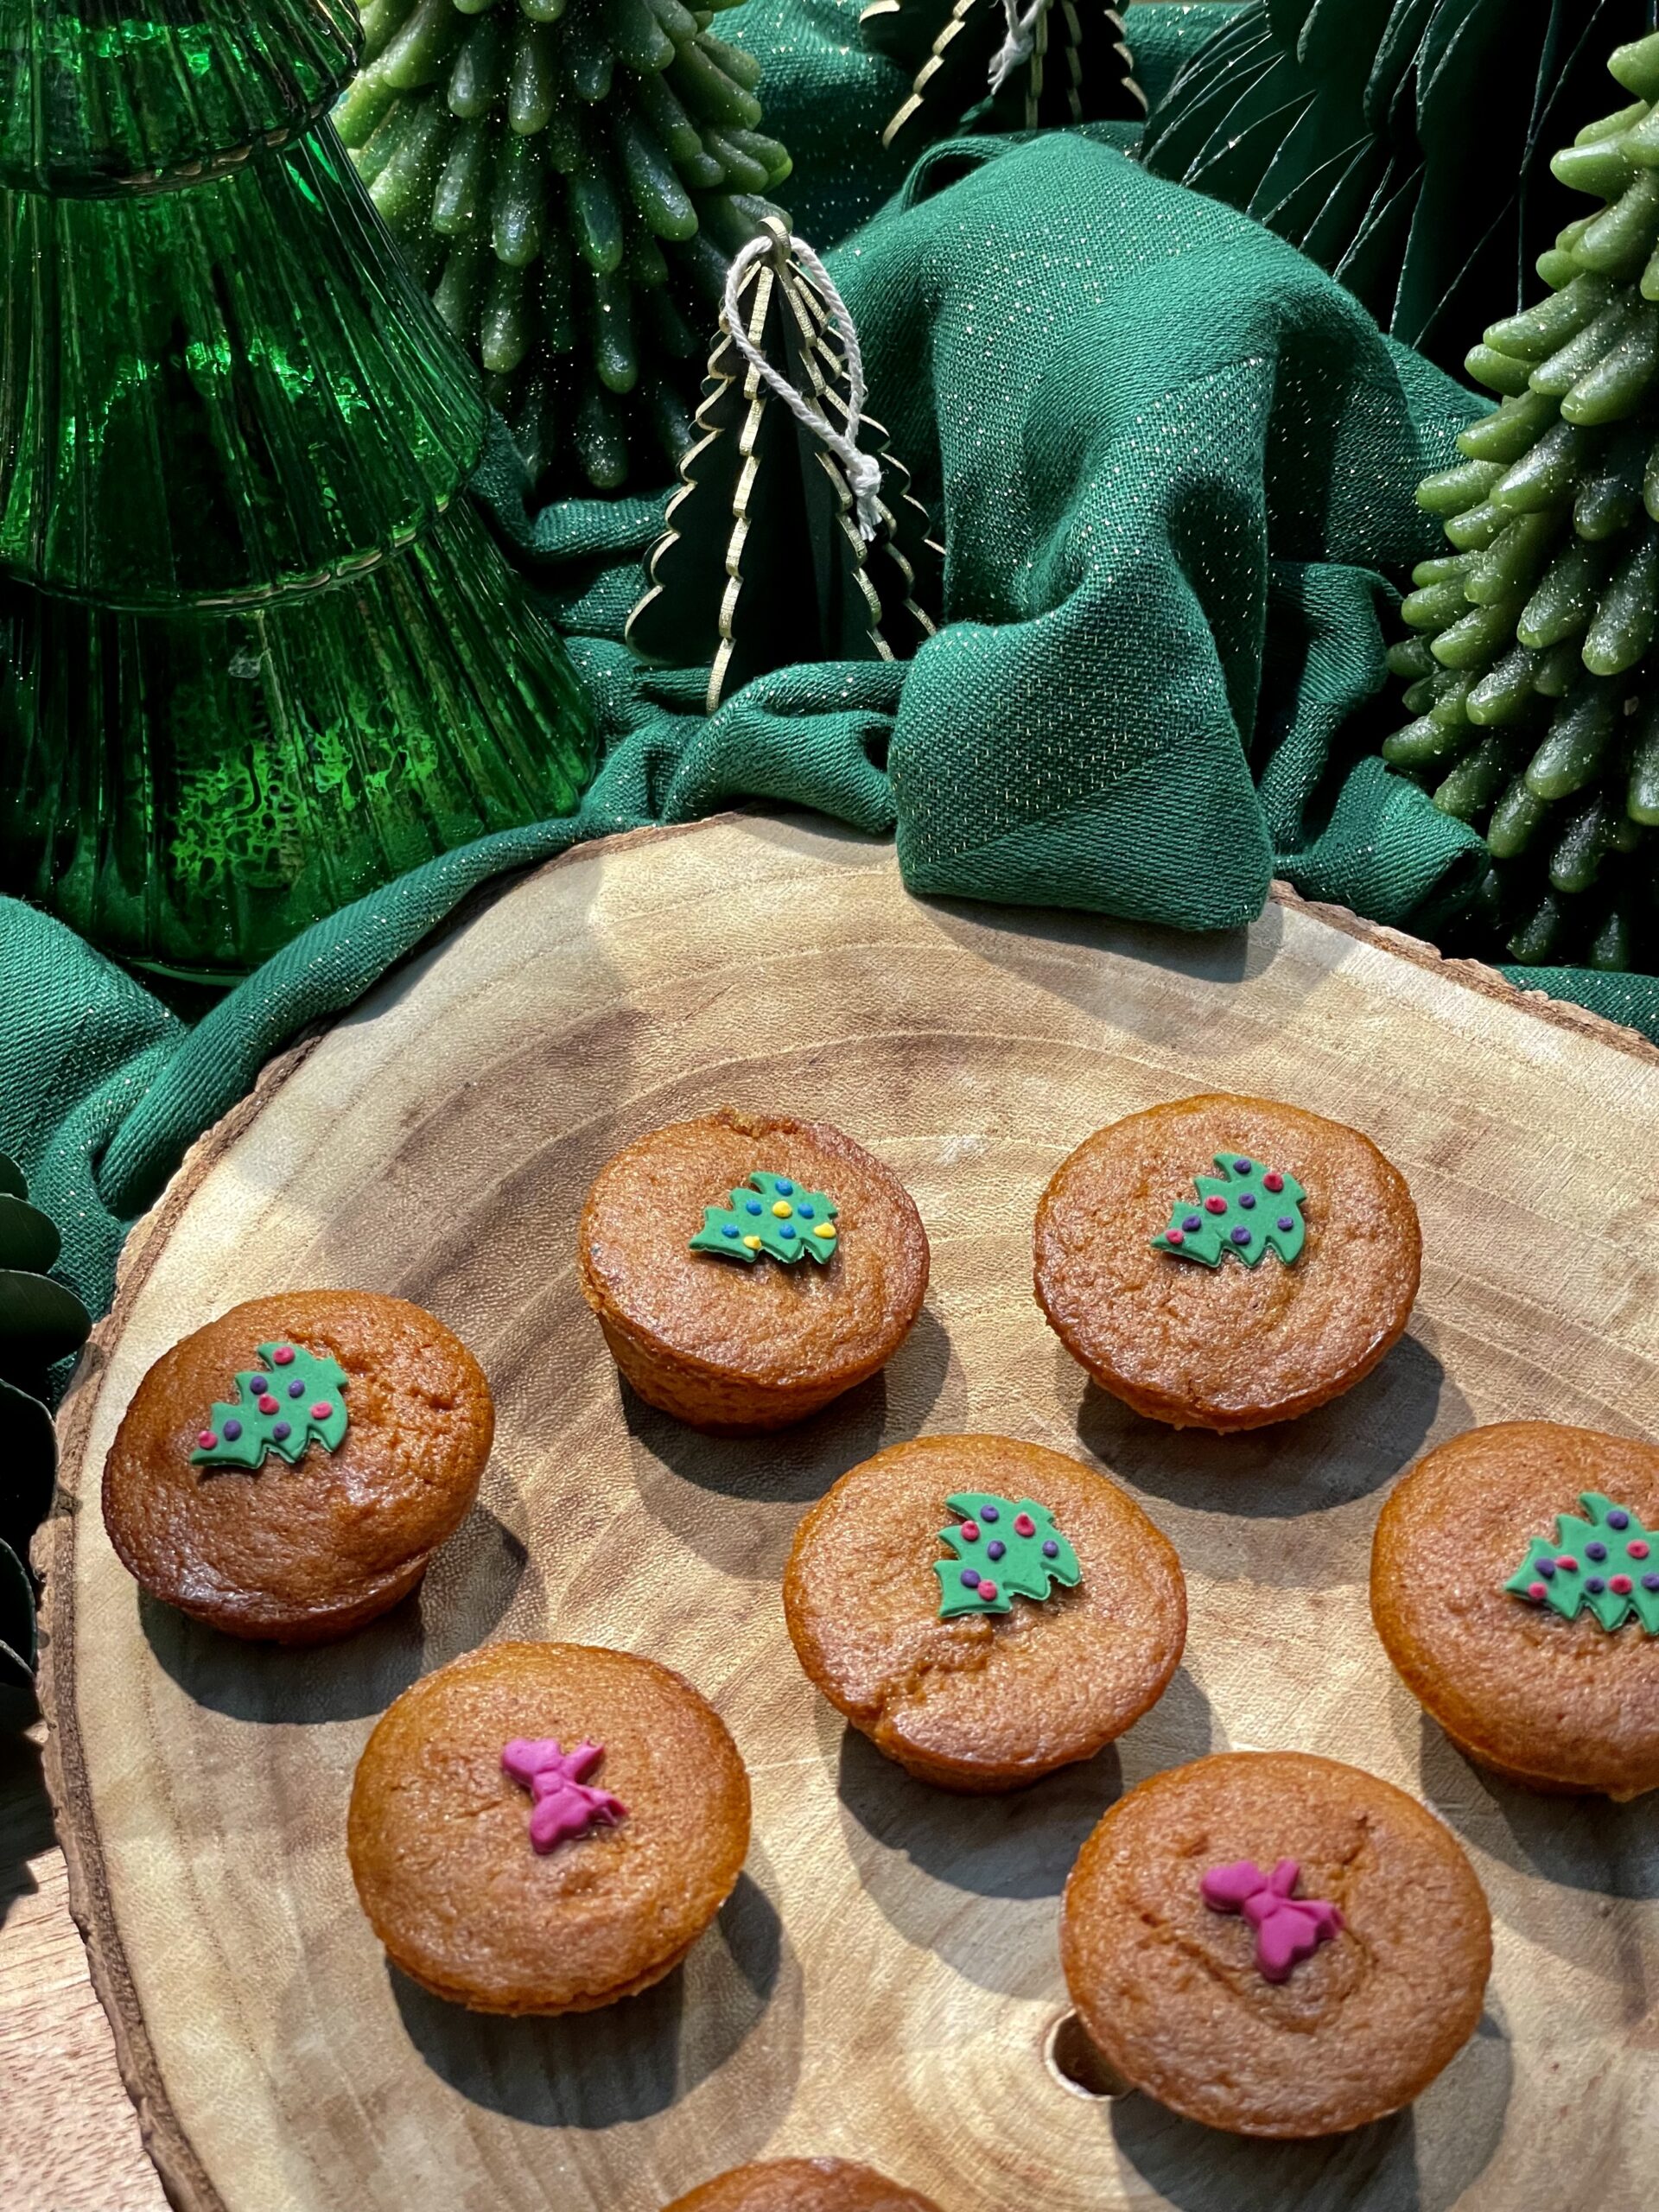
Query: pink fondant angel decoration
1287	1927
565	1804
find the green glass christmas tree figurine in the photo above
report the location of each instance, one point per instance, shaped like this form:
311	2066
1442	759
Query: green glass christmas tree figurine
1404	144
793	536
771	1215
1245	1213
1604	1565
259	654
1001	1551
1533	679
1002	65
296	1400
572	182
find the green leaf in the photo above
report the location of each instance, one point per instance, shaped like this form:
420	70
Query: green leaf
40	1322
27	1239
18	1648
28	1467
11	1179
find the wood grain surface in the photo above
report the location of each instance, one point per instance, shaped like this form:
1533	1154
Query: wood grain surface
885	1982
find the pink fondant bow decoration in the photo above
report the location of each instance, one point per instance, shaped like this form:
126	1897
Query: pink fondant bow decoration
1287	1927
565	1804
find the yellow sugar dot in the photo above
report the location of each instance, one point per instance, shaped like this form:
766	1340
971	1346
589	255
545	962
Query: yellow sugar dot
754	1244
782	1208
824	1228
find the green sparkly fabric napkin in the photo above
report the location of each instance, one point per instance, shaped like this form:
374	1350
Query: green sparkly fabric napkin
1180	465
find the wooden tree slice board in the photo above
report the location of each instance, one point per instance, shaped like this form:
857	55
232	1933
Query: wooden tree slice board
885	1981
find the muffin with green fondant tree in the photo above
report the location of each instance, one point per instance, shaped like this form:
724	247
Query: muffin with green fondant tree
1533	670
571	179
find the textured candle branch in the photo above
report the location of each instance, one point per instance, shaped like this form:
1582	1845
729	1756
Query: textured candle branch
565	1804
1288	1928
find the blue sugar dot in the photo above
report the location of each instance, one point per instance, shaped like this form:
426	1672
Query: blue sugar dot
805	1212
1618	1518
789	1228
785	1187
990	1514
754	1206
1241	1167
996	1550
280	1430
1595	1585
1246	1199
1285	1222
1241	1235
1544	1567
296	1388
231	1431
970	1578
1595	1551
1193	1221
730	1230
1051	1550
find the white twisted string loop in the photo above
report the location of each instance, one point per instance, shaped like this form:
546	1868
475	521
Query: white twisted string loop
863	470
1021	41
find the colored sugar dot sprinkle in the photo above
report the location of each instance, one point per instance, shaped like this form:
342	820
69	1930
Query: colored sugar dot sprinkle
1651	1582
1621	1583
782	1208
322	1410
789	1230
1285	1222
1024	1525
1636	1549
267	1404
1273	1180
1192	1221
1618	1518
1594	1585
996	1550
280	1430
1596	1551
987	1592
1240	1235
824	1228
1537	1592
283	1356
1214	1205
730	1230
1547	1567
805	1212
785	1186
754	1243
296	1388
1246	1199
208	1440
232	1430
752	1204
993	1513
1241	1167
970	1532
1568	1563
1051	1550
970	1578
1175	1238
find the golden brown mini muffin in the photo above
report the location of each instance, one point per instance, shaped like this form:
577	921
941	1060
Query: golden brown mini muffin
802	2185
727	1337
1125	1228
487	1874
1179	1994
973	1693
1499	1564
303	1521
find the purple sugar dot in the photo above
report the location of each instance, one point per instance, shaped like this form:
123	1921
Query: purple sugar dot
990	1514
1546	1567
1247	1200
280	1430
232	1430
296	1388
1285	1222
1594	1585
1241	1167
1618	1518
970	1578
996	1550
1192	1221
1595	1551
1651	1582
1051	1550
1241	1235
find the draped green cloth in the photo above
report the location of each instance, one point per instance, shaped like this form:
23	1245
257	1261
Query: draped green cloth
1175	465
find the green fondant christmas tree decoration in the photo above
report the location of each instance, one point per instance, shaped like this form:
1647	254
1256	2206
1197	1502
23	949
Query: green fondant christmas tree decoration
1002	1551
571	178
774	1215
1534	681
1605	1565
1247	1209
295	1400
1003	65
1403	144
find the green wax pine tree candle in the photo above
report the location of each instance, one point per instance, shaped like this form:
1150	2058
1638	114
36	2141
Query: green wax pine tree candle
258	654
1533	679
571	178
